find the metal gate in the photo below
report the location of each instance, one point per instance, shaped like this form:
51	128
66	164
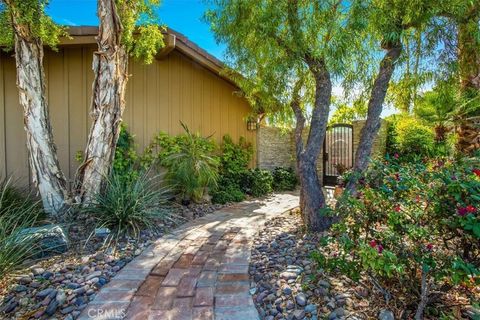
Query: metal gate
337	152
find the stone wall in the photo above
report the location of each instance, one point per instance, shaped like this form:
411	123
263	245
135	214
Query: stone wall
276	147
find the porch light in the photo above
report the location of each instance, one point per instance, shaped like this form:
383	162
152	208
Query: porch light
252	124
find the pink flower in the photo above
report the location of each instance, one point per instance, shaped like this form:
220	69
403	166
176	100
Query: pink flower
397	208
429	247
373	243
396	156
380	248
462	211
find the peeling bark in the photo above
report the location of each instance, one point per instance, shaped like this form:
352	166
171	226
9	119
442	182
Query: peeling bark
375	106
110	65
47	176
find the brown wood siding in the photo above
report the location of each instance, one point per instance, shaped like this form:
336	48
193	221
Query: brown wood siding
159	96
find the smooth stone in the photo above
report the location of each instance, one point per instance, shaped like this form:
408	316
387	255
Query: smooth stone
287	290
80	291
61	297
93	275
386	315
21	288
25	280
290	305
311	308
298	314
44	293
301	299
67	309
37	271
52	307
73	286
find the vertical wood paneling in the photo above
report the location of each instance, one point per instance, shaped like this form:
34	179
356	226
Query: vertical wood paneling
88	87
58	106
77	103
3	157
163	102
152	102
175	94
128	112
15	138
158	97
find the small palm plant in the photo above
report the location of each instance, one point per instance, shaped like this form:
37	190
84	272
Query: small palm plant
194	168
16	214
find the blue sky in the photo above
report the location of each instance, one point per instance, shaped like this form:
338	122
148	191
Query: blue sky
184	16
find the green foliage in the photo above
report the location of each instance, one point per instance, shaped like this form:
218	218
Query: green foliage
126	207
269	43
256	182
234	162
141	34
125	163
409	138
284	179
228	192
235	157
17	212
30	16
347	114
193	168
408	219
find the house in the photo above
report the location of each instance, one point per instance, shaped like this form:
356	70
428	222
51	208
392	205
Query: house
184	83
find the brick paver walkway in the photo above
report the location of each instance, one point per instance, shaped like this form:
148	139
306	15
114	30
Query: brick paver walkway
199	271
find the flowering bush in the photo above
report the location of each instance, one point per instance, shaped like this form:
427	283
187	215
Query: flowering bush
413	226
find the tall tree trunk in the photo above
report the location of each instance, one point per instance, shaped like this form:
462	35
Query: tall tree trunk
42	155
110	65
469	54
469	69
375	106
312	199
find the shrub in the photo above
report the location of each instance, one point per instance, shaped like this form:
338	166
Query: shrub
125	163
234	162
231	193
410	138
416	223
127	207
235	157
193	168
16	213
256	182
284	179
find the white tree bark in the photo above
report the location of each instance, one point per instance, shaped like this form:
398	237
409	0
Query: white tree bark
46	173
110	65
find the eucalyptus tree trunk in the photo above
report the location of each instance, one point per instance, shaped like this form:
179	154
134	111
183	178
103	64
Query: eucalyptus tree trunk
110	65
47	176
312	199
375	106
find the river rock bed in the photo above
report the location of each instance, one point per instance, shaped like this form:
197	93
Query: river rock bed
288	285
61	286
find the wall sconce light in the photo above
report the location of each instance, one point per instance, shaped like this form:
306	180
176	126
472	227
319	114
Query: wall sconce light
252	124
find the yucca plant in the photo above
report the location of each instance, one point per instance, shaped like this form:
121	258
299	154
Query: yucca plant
194	168
126	207
16	214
